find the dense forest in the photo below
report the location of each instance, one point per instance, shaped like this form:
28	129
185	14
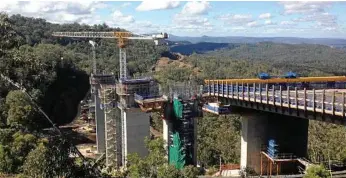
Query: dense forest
55	73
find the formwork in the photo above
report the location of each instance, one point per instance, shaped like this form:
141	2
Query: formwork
126	89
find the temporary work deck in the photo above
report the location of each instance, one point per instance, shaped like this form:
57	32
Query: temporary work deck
278	162
215	109
150	103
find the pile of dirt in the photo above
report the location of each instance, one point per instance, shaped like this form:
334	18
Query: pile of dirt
164	62
172	56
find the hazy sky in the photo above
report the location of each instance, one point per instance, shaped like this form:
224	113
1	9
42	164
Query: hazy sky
299	19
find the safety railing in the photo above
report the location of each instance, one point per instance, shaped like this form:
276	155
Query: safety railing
329	102
149	98
284	156
108	105
145	97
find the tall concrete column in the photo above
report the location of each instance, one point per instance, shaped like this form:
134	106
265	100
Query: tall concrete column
166	126
253	138
100	122
243	143
290	134
137	128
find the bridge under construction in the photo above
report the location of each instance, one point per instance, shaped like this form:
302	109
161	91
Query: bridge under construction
275	117
271	109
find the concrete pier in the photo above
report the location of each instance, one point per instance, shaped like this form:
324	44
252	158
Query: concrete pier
137	127
257	128
253	138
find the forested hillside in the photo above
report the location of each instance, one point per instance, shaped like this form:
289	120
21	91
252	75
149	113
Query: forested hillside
339	43
188	49
56	84
141	55
305	59
55	72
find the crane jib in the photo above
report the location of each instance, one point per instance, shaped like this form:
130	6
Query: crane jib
108	35
121	36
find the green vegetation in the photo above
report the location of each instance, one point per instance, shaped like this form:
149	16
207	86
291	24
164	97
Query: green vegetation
218	137
54	72
156	164
305	59
141	55
317	171
55	84
326	141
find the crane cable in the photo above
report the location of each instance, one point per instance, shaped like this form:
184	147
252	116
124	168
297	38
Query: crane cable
97	171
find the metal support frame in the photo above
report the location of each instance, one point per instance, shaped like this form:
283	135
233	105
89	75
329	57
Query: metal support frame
122	63
254	91
343	105
273	94
305	106
314	100
267	94
323	101
260	92
94	56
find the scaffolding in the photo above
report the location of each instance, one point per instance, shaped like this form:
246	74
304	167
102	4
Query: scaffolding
132	89
274	165
274	161
182	142
184	90
108	103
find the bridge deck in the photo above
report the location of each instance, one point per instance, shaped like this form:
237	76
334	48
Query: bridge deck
331	102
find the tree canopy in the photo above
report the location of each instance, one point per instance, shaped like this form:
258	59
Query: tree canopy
53	82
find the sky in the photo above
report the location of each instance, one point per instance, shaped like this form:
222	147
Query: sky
314	19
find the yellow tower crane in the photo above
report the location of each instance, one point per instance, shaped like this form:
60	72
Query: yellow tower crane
122	38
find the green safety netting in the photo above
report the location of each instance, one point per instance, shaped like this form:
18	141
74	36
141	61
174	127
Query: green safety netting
178	108
176	155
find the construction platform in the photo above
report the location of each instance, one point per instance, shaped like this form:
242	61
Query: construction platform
96	79
267	166
216	108
150	103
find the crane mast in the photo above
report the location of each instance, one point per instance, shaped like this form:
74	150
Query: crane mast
122	38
